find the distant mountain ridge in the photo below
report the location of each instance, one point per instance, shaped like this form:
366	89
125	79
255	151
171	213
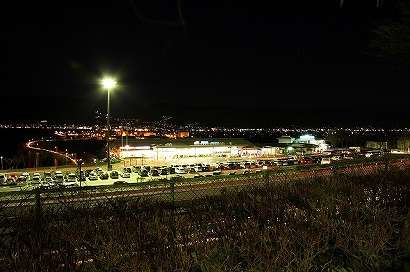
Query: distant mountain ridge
71	110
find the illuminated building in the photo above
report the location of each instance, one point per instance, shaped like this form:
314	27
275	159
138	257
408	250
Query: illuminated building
168	149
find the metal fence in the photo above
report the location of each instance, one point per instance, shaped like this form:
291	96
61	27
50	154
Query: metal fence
38	205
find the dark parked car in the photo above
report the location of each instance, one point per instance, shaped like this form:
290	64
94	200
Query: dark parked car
114	174
143	173
103	175
154	172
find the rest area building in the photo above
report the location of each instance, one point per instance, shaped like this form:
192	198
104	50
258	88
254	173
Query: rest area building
163	149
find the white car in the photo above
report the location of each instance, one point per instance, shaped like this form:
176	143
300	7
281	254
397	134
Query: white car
37	175
71	180
125	174
180	170
59	177
36	179
325	161
49	180
93	176
27	175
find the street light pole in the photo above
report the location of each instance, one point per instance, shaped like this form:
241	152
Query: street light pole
108	131
80	162
108	83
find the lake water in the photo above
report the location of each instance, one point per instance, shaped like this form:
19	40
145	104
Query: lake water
13	139
13	145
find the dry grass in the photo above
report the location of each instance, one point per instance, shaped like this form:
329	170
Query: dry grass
338	223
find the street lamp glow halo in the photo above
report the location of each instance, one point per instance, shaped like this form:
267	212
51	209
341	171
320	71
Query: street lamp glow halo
109	83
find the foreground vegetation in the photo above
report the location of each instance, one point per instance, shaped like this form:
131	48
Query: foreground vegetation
345	222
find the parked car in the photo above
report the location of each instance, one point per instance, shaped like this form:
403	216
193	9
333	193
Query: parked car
325	161
205	166
104	175
11	181
143	173
114	174
48	183
154	172
92	176
306	160
36	180
99	170
163	171
27	175
127	169
22	179
58	174
136	168
292	161
180	170
71	180
49	180
282	162
125	174
37	175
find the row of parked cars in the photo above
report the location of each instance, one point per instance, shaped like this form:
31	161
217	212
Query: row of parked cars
58	178
44	180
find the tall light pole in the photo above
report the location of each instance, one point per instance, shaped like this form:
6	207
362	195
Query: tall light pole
80	174
108	83
1	162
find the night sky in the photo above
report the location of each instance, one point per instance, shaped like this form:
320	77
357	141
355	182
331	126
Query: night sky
293	54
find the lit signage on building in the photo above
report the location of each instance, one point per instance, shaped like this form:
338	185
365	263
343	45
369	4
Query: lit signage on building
127	147
208	143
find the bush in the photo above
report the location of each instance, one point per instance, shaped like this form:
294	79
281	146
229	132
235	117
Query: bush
349	222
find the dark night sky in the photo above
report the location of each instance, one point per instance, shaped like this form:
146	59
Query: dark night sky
287	54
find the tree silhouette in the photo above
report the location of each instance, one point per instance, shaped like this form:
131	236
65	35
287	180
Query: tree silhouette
391	38
378	3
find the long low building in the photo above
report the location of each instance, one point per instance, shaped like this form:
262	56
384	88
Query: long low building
169	149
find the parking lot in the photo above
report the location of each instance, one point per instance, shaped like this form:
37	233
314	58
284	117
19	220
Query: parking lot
92	175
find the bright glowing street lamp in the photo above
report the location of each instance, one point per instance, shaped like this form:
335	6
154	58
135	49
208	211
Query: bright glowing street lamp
108	84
